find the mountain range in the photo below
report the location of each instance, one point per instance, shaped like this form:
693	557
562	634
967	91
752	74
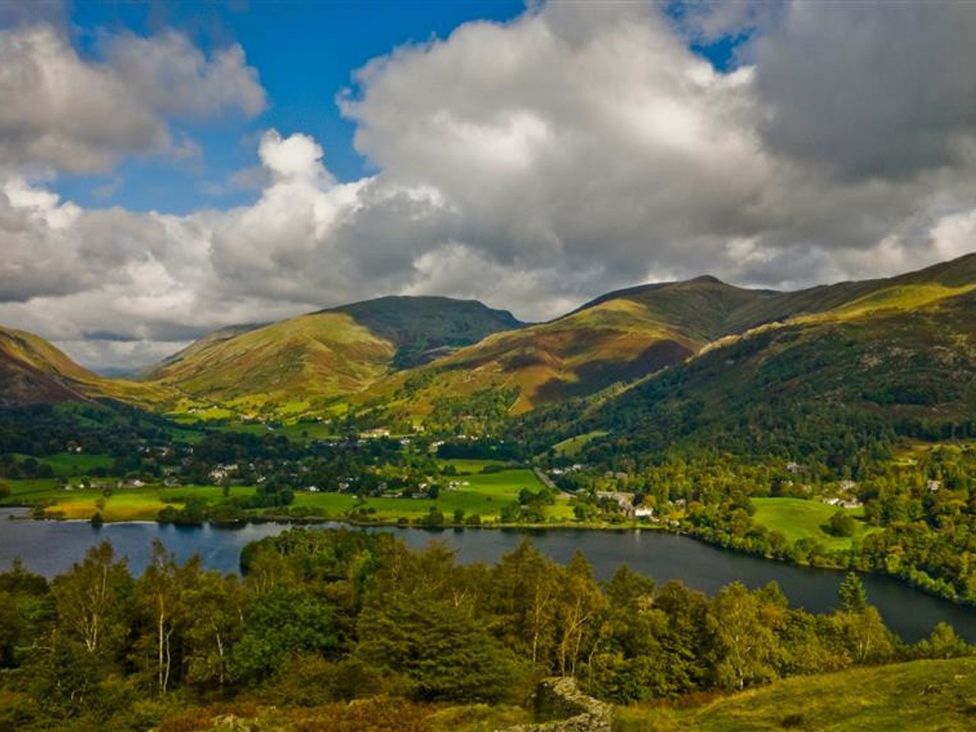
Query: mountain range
904	342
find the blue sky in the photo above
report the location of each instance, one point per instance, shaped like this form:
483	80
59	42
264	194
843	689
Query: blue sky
305	53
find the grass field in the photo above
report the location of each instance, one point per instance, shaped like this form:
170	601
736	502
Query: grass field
484	494
797	518
298	431
126	504
921	695
571	447
69	464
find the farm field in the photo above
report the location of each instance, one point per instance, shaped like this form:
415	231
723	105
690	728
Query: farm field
297	431
123	504
571	447
485	494
942	696
477	493
69	464
798	518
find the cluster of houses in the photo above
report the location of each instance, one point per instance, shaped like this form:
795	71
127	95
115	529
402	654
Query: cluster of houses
626	503
222	472
843	502
846	499
574	468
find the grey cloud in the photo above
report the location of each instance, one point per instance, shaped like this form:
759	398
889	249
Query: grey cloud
870	90
173	76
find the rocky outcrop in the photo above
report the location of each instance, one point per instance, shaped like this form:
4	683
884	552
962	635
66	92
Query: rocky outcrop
562	707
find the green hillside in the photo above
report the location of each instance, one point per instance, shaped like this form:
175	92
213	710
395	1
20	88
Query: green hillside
619	337
628	335
32	371
309	363
295	366
886	349
901	356
921	695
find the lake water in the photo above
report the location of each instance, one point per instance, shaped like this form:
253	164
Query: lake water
51	547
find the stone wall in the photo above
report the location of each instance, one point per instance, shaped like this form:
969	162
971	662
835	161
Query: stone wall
562	707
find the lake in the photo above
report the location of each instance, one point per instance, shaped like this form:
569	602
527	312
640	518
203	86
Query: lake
51	547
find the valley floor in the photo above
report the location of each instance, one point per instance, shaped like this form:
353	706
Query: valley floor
472	491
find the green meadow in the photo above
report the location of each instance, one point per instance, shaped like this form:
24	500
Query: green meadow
70	464
479	493
798	518
485	494
571	447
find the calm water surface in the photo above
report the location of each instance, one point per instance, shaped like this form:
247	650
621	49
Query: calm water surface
51	547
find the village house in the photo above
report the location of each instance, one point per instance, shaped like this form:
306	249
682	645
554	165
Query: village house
223	471
624	500
374	433
843	502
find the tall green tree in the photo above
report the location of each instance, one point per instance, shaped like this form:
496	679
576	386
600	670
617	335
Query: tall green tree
442	647
158	596
524	599
277	625
853	596
744	648
581	605
214	622
93	600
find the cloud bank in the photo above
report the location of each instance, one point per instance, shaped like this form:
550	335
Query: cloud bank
531	165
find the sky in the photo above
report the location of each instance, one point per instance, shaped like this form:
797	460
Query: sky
168	169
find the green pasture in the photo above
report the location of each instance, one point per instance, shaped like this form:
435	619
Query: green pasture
798	518
484	494
572	447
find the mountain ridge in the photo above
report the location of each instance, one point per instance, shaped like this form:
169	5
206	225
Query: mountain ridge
416	359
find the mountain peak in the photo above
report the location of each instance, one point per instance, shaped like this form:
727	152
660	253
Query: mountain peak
707	280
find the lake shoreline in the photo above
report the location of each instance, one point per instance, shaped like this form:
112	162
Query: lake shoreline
598	527
52	547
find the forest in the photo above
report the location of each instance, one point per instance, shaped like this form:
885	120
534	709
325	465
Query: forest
321	617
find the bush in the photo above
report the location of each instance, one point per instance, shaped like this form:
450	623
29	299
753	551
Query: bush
311	680
841	524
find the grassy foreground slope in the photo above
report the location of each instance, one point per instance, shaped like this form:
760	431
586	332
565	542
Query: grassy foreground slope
920	695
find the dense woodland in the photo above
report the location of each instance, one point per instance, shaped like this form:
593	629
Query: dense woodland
322	616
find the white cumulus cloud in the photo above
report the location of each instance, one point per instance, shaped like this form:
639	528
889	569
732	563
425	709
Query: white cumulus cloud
531	164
